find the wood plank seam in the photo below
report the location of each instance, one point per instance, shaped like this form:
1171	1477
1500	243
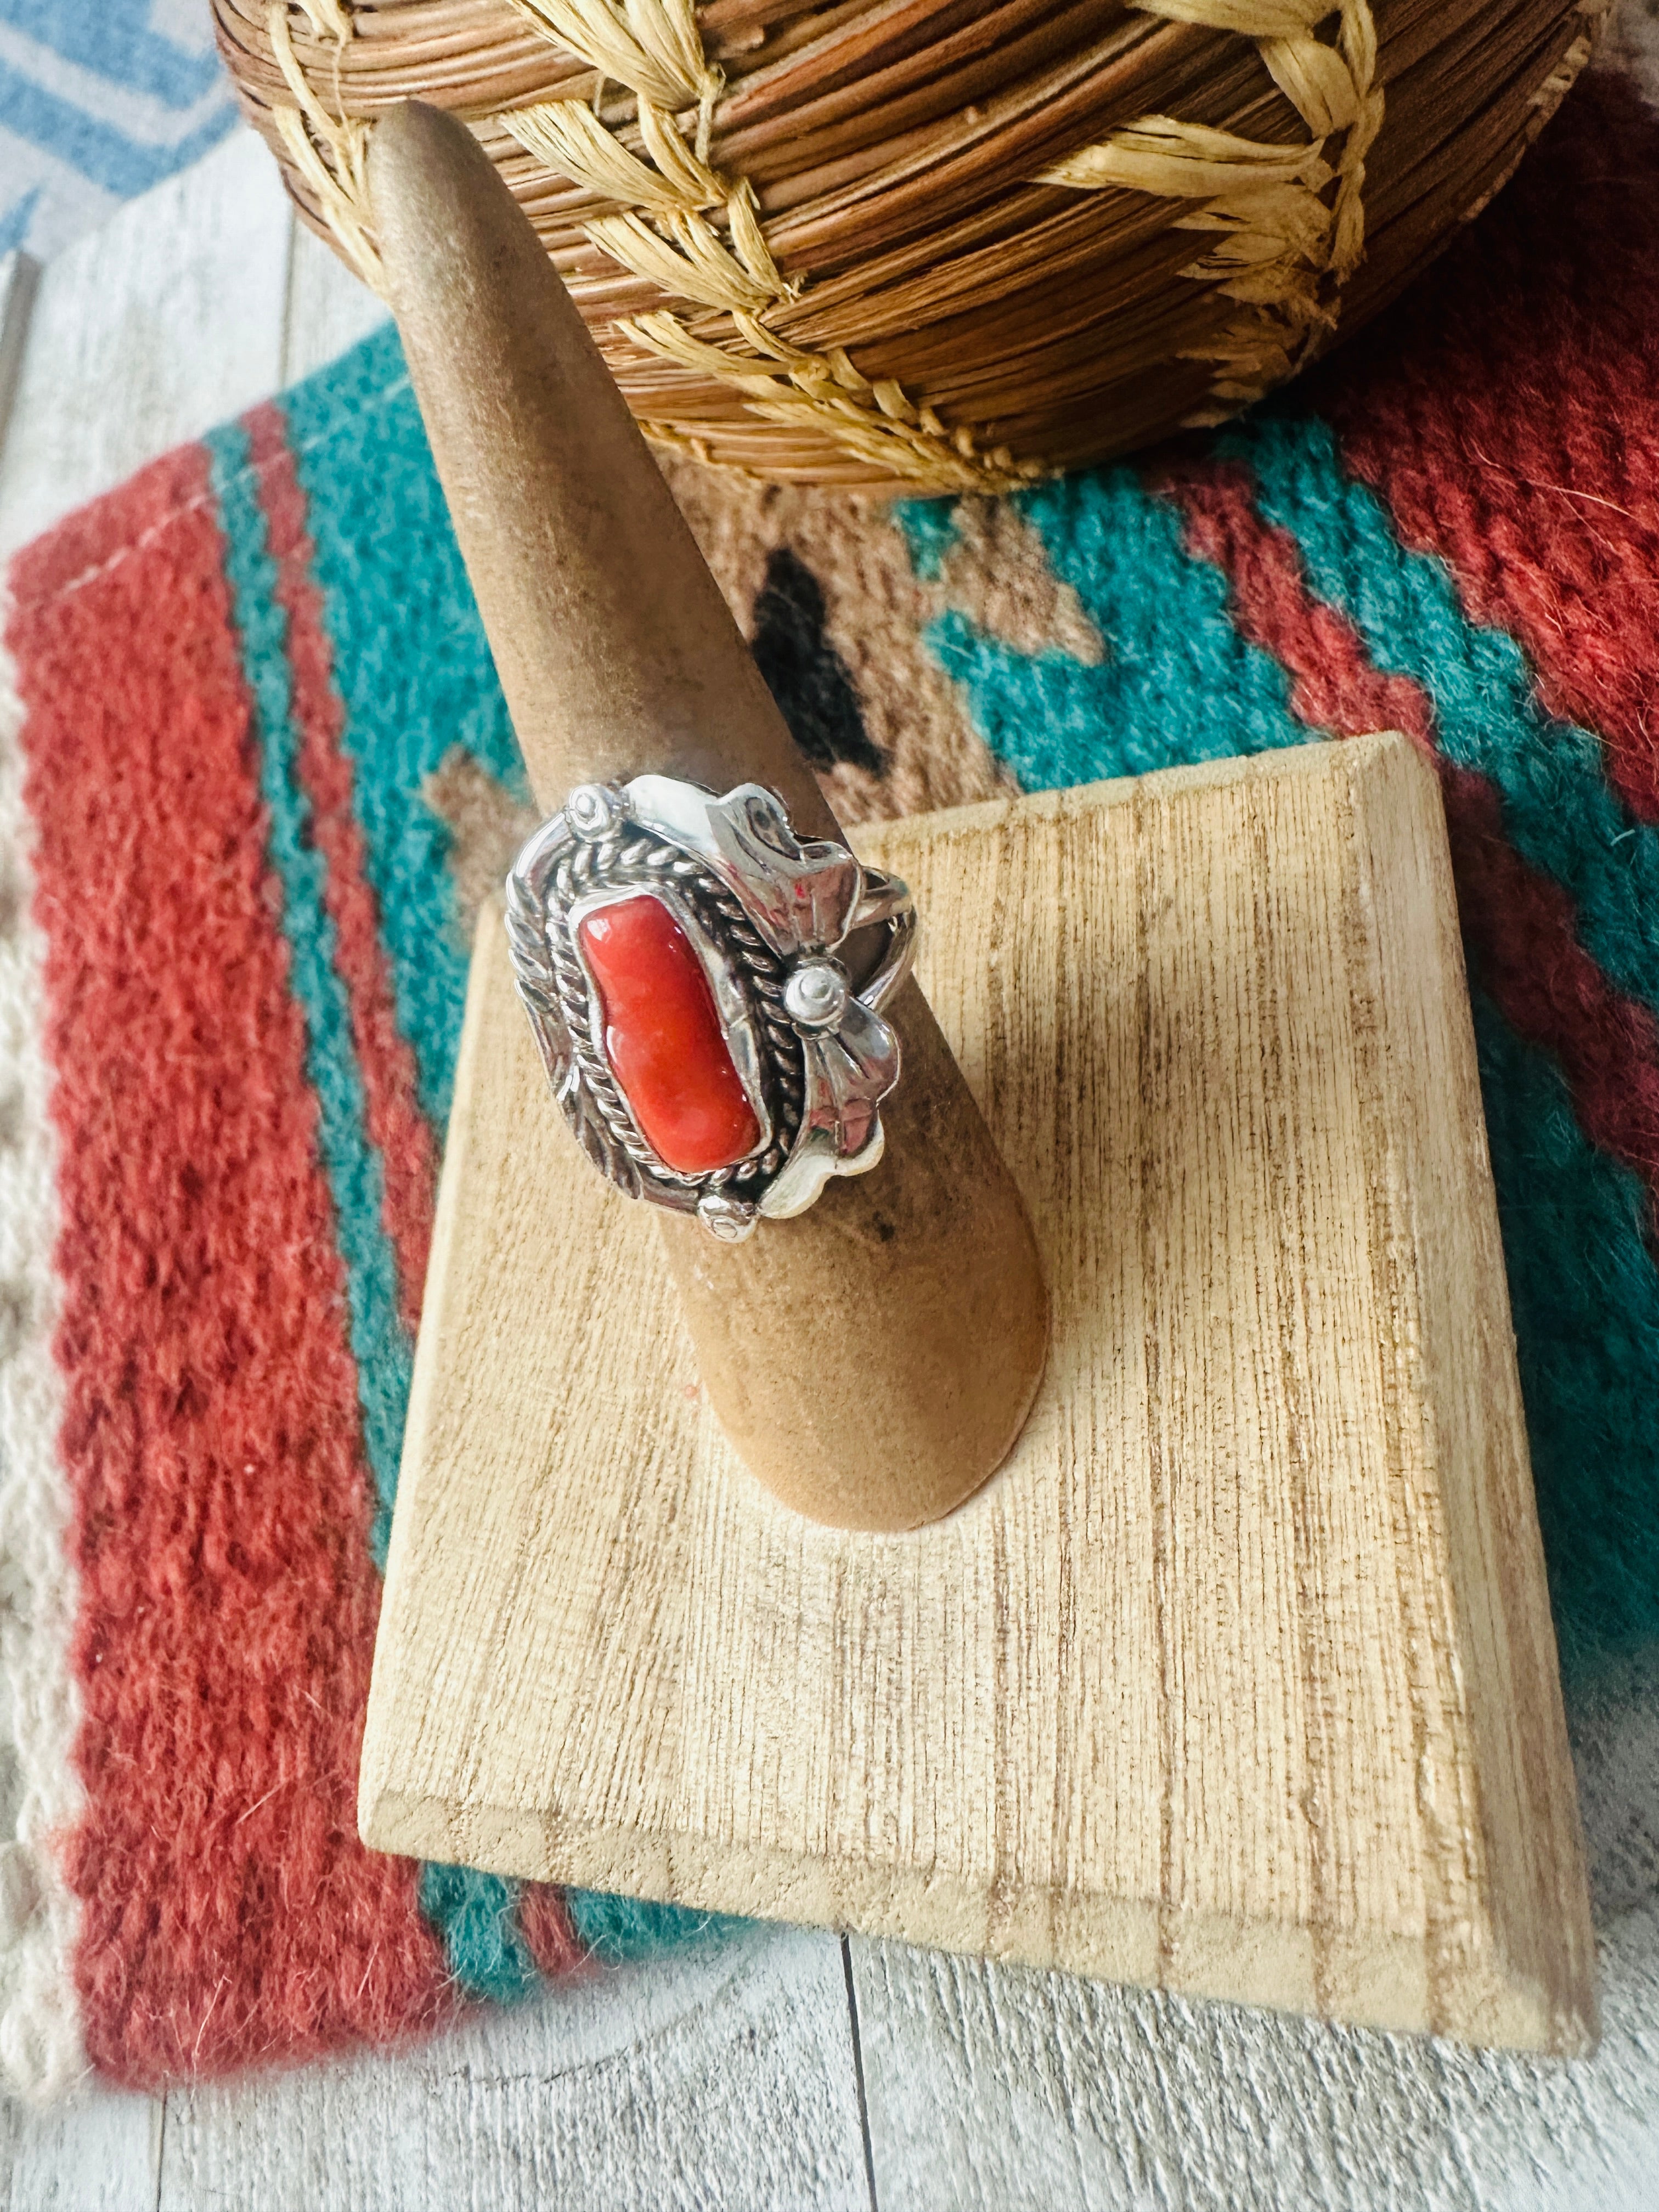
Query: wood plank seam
20	277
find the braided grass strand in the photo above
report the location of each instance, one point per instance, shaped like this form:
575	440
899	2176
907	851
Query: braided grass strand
1284	251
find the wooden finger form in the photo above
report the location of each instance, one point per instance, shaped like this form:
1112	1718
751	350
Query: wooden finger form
873	1359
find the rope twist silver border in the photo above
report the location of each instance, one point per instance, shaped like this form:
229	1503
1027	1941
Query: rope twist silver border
766	915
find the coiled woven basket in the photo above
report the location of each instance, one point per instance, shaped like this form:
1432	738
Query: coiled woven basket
938	245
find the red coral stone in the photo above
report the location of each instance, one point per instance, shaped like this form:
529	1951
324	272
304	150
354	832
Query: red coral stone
663	1036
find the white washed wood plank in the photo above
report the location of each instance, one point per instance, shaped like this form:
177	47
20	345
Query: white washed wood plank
999	2089
720	2078
100	2153
1614	1721
148	332
329	309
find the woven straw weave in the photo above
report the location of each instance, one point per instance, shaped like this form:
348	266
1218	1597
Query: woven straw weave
940	245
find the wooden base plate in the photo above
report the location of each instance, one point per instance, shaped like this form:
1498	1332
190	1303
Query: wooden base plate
1239	1677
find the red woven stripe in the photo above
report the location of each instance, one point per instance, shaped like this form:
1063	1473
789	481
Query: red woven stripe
84	541
1523	446
1518	924
221	1509
396	1124
552	1940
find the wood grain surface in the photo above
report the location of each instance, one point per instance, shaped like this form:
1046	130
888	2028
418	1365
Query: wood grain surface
617	655
1240	1677
993	2086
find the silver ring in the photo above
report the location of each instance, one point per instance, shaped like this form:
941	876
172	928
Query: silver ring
677	956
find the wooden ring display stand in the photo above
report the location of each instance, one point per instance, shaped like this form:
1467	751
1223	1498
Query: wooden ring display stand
874	1361
1239	1676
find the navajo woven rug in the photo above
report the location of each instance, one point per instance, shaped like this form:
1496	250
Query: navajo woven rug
257	775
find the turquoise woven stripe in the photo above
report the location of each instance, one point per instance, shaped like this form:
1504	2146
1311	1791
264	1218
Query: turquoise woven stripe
472	1913
380	1343
1177	684
1585	1297
1558	808
620	1928
477	1916
412	667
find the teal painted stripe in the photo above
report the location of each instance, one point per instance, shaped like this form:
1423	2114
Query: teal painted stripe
1584	1292
1178	684
412	666
380	1343
1558	810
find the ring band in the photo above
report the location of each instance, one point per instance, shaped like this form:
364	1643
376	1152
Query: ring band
677	955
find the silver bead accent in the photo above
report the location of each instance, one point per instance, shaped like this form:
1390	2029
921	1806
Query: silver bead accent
730	1220
815	995
593	811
